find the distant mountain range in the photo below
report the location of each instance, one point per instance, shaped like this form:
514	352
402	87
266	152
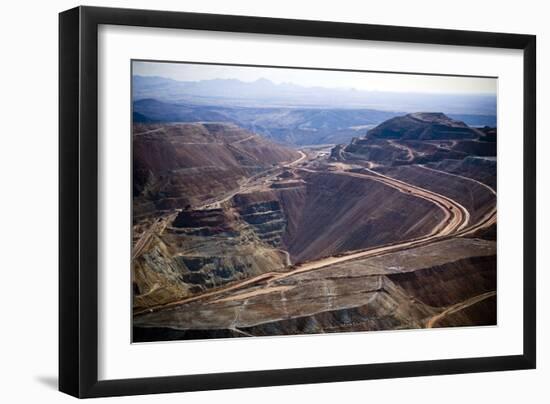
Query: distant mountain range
294	126
264	93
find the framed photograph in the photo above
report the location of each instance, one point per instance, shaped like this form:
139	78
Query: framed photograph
251	201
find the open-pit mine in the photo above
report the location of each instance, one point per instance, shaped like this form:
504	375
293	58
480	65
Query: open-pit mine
237	236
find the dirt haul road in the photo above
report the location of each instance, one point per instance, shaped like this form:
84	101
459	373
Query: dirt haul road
158	226
455	222
459	306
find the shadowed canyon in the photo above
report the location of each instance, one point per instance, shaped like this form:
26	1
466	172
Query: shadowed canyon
236	235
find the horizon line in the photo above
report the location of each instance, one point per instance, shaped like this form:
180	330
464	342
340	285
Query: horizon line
479	94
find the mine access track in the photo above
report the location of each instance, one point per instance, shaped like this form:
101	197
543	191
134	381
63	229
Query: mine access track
455	224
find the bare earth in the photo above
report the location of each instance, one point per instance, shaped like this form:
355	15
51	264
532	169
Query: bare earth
444	274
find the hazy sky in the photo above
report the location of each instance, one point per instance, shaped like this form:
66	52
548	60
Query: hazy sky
329	79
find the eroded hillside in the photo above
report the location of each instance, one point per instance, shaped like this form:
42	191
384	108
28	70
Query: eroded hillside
236	236
178	165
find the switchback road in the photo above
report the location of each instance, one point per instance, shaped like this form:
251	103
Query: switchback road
455	223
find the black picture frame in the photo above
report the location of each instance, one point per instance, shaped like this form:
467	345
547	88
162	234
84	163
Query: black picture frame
78	201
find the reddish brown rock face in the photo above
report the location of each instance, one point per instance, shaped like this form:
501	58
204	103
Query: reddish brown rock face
421	138
237	236
187	164
407	289
423	126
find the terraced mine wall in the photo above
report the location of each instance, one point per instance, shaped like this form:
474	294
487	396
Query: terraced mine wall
480	169
265	214
379	150
446	283
476	198
476	148
423	126
198	251
483	312
179	165
419	138
404	152
157	277
262	231
337	213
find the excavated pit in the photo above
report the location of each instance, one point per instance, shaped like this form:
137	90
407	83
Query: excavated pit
446	283
224	223
262	231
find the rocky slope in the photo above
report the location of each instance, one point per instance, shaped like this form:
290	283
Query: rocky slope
262	231
188	164
237	236
197	251
423	126
434	152
286	124
180	167
480	169
349	210
475	197
445	284
419	138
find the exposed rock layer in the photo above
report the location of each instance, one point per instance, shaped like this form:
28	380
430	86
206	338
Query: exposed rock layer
401	290
419	138
188	164
223	217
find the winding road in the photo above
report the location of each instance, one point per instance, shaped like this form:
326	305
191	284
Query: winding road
217	202
458	307
408	150
456	222
158	226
